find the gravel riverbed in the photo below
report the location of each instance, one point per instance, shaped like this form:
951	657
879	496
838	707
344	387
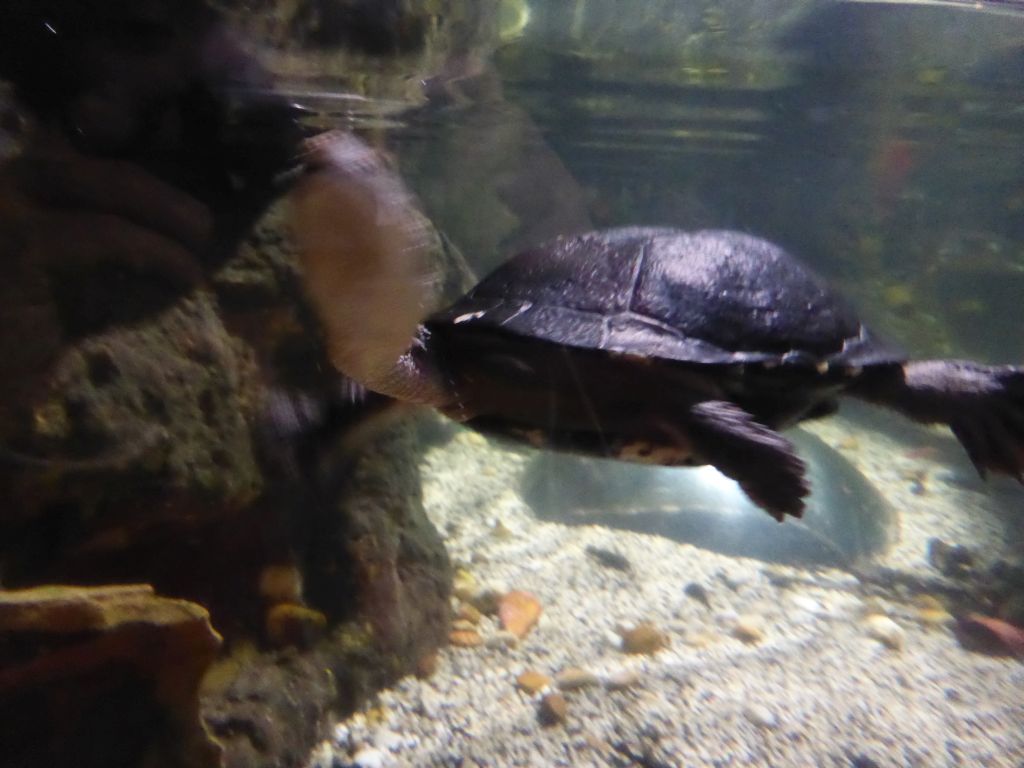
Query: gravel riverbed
762	664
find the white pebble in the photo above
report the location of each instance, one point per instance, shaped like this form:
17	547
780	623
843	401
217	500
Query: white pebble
760	716
322	757
613	639
501	639
808	604
429	704
726	617
388	740
342	736
574	678
369	757
624	677
886	631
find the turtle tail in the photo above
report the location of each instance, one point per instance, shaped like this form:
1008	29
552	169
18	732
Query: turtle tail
982	404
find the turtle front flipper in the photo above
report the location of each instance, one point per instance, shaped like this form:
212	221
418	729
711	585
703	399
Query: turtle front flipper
982	404
762	461
367	266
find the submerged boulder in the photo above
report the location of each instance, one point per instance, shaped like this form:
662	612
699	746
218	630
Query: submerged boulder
158	455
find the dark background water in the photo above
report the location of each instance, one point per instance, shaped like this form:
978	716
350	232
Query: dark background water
880	141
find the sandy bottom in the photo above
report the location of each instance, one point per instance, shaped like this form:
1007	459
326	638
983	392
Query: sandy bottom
814	686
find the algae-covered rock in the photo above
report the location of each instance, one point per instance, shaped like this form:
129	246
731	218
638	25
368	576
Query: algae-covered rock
382	563
139	458
103	676
149	446
375	582
170	397
156	456
268	709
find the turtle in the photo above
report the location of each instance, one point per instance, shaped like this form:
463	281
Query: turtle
682	348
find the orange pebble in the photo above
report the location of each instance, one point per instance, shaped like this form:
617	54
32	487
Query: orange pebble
532	681
518	612
465	638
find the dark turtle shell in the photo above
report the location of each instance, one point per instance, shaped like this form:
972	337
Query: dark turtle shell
709	297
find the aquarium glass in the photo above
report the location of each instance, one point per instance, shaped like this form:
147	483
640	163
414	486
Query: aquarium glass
232	233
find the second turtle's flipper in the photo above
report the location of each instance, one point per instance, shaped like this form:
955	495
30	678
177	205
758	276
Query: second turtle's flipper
982	404
762	461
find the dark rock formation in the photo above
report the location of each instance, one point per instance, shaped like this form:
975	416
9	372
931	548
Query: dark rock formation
157	453
194	438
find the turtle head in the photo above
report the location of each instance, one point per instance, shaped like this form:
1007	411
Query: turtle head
365	253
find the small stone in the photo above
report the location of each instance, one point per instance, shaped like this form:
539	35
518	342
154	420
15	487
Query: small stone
502	532
871	605
700	639
426	665
376	715
281	584
429	703
486	600
464	586
461	625
388	740
518	612
609	558
369	757
643	638
808	605
622	678
848	444
760	716
731	582
930	612
613	637
531	681
468	612
778	577
288	624
322	756
952	560
465	638
574	678
502	639
474	439
553	709
886	631
749	628
928	602
341	735
934	617
698	593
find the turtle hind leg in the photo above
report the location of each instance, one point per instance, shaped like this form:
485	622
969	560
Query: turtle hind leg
982	404
762	461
